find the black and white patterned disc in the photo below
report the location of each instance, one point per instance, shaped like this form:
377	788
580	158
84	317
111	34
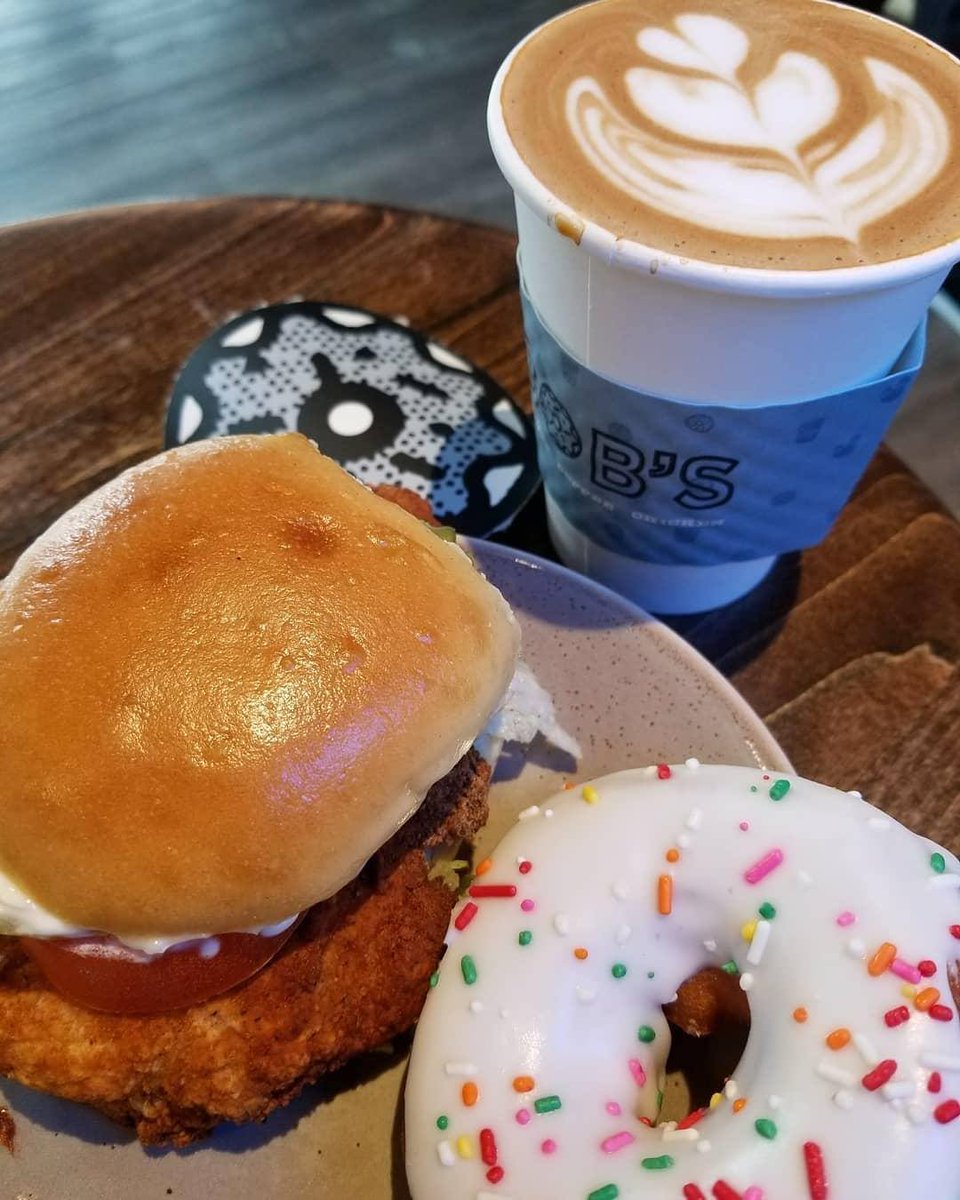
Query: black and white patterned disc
386	402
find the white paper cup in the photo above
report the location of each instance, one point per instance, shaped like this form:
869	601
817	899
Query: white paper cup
700	332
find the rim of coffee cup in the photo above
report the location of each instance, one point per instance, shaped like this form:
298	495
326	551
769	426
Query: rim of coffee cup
633	255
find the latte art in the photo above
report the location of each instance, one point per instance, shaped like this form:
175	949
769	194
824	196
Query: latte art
688	169
789	135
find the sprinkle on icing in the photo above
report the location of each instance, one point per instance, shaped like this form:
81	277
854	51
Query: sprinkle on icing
490	891
866	1049
882	1073
766	1128
905	970
488	1147
762	868
816	1171
665	895
617	1141
882	959
460	1068
758	943
465	916
662	1162
836	1074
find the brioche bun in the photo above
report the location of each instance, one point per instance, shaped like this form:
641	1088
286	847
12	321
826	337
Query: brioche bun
226	678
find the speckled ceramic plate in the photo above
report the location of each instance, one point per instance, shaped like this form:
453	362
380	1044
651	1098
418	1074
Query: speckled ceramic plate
631	692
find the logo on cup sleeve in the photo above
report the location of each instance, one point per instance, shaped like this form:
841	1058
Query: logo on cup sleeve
556	422
619	466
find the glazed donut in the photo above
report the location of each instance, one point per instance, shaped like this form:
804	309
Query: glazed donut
541	1050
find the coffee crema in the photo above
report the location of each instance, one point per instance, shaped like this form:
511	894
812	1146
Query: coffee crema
797	134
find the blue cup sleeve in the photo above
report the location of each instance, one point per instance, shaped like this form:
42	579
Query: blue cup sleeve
668	481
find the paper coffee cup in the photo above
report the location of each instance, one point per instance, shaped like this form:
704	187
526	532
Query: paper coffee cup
699	332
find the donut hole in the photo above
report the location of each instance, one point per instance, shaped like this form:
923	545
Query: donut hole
709	1025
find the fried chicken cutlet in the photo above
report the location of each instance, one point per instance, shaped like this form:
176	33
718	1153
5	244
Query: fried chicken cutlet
353	976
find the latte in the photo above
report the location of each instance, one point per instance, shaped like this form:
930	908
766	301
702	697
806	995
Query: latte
788	134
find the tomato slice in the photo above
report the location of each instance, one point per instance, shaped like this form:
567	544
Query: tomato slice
103	974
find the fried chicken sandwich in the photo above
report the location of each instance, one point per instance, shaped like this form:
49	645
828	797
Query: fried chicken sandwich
238	699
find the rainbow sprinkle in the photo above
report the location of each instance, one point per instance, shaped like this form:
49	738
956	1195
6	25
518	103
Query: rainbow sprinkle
762	868
662	1162
617	1141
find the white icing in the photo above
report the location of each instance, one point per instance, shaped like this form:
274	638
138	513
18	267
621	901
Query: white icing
885	1143
729	157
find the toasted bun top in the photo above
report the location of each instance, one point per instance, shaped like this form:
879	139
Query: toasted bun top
226	678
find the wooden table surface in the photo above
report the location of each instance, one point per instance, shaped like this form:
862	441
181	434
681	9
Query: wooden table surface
849	651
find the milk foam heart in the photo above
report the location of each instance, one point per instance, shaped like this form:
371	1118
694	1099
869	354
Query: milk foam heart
800	134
